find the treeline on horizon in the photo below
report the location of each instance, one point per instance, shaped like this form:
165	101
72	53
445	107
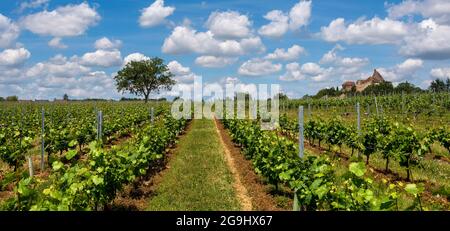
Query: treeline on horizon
14	98
385	88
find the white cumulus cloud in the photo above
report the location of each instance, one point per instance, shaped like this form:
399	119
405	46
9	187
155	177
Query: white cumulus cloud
65	21
9	31
309	71
278	26
32	4
136	57
155	14
102	58
293	72
58	67
186	40
299	15
14	57
214	61
441	73
259	67
229	25
425	40
280	22
332	58
428	41
182	74
177	69
402	71
438	10
106	44
290	54
373	31
57	43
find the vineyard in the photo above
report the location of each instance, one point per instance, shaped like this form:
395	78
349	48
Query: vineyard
86	167
224	115
362	153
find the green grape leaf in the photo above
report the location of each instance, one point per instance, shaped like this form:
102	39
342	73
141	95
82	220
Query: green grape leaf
411	189
414	189
73	143
97	180
57	165
321	191
70	154
357	168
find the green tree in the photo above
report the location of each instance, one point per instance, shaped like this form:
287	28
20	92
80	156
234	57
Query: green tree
282	96
306	96
379	89
2	99
144	77
407	88
328	92
65	97
12	98
438	85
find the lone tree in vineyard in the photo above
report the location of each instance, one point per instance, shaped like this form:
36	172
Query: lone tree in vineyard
144	77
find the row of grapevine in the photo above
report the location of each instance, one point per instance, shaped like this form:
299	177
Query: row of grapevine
415	104
92	183
65	126
394	140
312	178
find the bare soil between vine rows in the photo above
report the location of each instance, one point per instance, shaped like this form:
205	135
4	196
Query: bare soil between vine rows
258	191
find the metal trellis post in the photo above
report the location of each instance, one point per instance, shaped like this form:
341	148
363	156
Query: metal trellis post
301	149
42	139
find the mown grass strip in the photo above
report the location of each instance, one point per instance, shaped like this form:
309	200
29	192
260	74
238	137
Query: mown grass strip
198	178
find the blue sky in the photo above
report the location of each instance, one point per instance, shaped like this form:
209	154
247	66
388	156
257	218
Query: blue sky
52	47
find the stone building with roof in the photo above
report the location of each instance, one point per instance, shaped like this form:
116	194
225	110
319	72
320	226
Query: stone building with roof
362	84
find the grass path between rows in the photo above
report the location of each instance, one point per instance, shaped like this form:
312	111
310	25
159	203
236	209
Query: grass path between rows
198	178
